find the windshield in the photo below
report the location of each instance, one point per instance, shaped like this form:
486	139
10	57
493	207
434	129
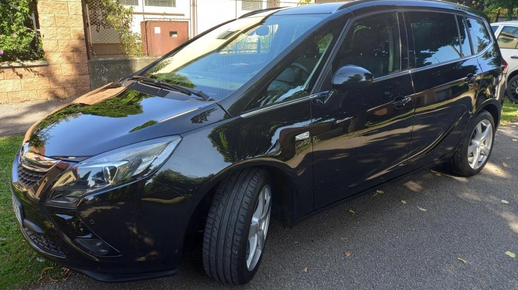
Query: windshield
223	60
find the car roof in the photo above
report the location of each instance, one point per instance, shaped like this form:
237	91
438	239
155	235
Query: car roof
352	5
515	22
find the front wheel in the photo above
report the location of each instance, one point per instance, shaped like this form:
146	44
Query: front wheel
237	226
512	89
475	149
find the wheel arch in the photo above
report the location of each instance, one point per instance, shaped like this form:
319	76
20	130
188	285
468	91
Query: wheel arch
511	75
283	186
494	108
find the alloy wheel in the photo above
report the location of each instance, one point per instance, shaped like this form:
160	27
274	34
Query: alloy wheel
480	145
513	91
259	227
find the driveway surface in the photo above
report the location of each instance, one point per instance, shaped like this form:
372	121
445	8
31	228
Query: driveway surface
409	235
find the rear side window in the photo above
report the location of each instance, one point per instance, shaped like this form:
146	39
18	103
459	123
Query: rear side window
508	37
436	38
479	34
464	37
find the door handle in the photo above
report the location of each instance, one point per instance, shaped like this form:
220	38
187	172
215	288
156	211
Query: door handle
514	56
302	136
400	102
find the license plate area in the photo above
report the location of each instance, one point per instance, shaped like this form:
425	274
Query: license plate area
18	209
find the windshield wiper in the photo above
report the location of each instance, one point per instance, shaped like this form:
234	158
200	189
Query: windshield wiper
171	87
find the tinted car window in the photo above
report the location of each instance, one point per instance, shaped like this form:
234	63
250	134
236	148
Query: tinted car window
495	28
294	79
372	43
479	34
464	37
508	37
436	39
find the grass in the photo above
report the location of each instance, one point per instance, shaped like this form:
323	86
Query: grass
509	112
19	263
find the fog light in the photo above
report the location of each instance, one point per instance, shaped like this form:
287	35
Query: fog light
94	246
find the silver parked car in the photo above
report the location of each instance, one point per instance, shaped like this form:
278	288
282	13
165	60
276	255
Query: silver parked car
507	37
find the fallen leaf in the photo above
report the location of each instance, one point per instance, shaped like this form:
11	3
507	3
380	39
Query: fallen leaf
421	209
347	254
515	140
305	270
65	273
510	254
352	211
505	164
43	273
343	239
403	201
435	172
505	201
379	191
462	260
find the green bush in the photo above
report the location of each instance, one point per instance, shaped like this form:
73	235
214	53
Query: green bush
113	14
18	38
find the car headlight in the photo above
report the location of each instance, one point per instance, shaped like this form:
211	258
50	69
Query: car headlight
110	169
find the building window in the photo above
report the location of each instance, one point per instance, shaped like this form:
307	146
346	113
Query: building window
161	3
251	5
129	2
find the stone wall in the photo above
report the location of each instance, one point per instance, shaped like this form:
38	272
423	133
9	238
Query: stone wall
64	72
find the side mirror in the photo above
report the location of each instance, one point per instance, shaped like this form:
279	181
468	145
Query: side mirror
348	77
352	77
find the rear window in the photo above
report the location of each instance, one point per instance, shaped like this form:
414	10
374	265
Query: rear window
508	37
436	38
479	34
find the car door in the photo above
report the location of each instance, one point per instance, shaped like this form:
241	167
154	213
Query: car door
445	78
363	139
507	39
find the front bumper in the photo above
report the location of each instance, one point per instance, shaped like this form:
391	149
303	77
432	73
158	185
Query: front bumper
143	224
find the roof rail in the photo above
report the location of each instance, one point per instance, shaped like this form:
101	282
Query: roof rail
259	11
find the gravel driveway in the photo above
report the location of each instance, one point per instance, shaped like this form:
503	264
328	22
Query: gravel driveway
411	235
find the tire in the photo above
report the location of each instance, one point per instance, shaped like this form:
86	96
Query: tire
237	225
474	150
512	89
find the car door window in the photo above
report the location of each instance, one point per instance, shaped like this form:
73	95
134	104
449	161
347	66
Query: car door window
293	80
372	43
508	37
479	34
435	38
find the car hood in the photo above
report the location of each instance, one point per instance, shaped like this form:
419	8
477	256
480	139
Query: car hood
114	116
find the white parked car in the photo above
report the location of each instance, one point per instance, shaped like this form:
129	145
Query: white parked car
507	36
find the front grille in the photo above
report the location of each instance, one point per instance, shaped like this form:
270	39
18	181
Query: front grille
44	243
28	178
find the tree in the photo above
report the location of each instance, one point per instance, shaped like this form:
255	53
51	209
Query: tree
113	14
509	5
475	4
19	39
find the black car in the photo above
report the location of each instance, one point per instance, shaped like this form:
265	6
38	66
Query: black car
282	112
